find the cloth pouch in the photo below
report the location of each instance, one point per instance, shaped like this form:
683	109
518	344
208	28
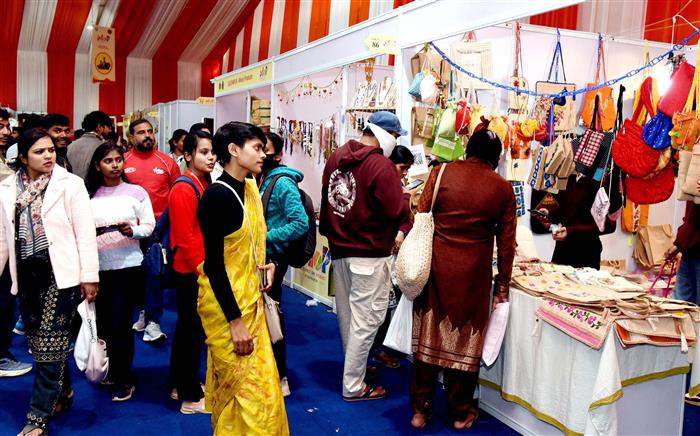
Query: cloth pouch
495	332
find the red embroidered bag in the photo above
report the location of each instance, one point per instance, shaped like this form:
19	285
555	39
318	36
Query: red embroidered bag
674	99
651	190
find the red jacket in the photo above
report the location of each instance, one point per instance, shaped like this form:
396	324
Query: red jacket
155	172
185	233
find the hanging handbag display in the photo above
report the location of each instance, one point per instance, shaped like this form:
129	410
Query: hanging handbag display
685	158
630	152
675	97
464	112
429	91
606	103
601	203
634	216
413	263
655	132
423	118
686	124
651	190
473	56
517	100
447	145
591	146
564	115
414	89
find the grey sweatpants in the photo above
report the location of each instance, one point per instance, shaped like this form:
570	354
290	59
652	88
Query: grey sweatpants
362	287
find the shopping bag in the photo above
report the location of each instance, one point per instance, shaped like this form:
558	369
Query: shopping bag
414	89
675	97
472	56
90	352
651	190
399	335
684	159
692	173
495	332
581	323
655	132
517	100
606	102
651	244
564	115
634	216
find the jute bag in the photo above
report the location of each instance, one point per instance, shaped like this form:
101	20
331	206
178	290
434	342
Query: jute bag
692	174
651	243
415	256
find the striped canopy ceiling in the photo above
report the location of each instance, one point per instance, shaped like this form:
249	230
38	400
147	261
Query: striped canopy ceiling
170	49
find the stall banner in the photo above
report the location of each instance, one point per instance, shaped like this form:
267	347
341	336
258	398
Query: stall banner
315	275
258	75
102	55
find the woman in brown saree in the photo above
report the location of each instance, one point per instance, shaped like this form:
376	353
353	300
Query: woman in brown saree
474	206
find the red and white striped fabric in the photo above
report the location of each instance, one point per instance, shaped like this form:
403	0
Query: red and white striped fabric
170	49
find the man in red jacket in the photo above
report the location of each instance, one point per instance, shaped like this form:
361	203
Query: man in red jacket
361	209
156	172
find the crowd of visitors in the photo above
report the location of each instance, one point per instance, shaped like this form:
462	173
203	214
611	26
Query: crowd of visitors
77	219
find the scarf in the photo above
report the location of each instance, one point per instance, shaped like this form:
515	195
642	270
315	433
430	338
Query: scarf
30	229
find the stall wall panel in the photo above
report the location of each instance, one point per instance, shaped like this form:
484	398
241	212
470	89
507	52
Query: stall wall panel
309	109
230	108
579	50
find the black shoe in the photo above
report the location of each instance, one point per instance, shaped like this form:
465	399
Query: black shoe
123	393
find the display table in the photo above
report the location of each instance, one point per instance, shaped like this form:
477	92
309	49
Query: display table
544	381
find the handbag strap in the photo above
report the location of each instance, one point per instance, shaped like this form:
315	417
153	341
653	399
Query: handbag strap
557	59
601	61
517	66
437	185
245	213
661	273
694	94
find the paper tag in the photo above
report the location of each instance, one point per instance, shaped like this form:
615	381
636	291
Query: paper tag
165	256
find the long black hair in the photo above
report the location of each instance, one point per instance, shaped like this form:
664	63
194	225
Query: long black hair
95	179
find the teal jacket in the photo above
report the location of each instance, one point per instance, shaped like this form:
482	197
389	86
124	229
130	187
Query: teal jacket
286	218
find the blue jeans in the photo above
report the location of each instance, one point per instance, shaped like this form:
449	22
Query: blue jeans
154	298
688	280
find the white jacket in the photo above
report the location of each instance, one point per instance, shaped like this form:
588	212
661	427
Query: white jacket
69	227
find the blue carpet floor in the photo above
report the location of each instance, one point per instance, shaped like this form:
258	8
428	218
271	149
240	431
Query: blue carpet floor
315	407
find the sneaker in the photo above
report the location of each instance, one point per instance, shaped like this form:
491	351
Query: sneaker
190	407
123	393
693	401
140	325
152	333
9	367
284	384
19	327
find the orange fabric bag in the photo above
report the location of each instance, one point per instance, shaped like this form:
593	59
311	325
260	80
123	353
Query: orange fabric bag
606	102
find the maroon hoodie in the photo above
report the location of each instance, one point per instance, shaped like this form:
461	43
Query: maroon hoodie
362	202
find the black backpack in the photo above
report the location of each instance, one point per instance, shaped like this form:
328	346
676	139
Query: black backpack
158	259
301	250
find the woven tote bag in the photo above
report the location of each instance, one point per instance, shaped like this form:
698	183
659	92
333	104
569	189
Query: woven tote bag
416	253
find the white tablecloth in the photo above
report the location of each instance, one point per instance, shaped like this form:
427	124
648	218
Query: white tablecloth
568	384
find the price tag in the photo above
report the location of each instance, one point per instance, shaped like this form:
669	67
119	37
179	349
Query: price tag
382	44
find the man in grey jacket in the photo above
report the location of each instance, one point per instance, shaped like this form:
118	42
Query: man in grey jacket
96	125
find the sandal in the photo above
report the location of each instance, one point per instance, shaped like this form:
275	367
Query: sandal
367	392
30	428
388	360
472	416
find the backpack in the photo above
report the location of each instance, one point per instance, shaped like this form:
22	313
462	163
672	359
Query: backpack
158	258
301	250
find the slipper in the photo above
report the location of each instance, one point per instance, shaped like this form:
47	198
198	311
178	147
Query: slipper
693	401
367	394
391	364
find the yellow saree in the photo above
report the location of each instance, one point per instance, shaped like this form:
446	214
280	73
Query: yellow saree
243	392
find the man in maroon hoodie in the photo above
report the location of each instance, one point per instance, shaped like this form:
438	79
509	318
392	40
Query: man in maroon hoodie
361	209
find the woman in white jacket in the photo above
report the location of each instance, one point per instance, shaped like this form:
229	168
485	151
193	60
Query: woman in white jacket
47	234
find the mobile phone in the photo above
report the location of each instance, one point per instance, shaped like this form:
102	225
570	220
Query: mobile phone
539	214
414	184
262	275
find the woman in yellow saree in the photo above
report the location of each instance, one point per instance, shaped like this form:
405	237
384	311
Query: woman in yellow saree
242	387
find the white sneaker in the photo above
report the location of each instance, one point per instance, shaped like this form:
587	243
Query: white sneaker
190	407
153	333
284	384
140	325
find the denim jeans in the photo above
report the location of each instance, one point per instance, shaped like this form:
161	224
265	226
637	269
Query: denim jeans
688	280
154	298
